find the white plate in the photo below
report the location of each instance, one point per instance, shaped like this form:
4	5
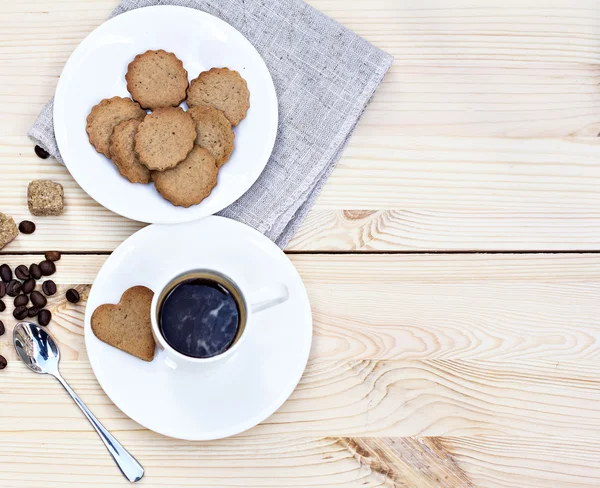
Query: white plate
96	70
203	404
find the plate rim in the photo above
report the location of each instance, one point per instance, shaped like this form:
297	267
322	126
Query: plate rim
264	413
60	95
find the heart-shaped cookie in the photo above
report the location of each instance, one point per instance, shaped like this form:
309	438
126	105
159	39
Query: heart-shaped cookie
127	325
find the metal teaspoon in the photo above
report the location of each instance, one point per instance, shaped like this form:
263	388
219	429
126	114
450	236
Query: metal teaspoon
39	351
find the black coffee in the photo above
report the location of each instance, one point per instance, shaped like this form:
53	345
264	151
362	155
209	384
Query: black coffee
199	318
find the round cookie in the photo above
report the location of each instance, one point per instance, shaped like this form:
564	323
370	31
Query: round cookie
165	138
105	116
157	79
189	182
223	89
213	132
123	153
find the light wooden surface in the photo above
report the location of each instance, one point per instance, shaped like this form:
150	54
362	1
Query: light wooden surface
452	262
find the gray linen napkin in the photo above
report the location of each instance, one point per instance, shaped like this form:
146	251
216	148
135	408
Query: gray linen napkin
324	76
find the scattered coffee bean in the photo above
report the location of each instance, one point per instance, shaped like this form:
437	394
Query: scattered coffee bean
21	300
3	362
22	272
5	273
41	152
28	286
20	312
27	227
38	299
52	256
2	289
35	272
2	328
47	267
73	295
2	306
49	288
44	317
33	311
13	288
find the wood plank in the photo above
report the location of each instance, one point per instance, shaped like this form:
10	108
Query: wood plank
431	194
436	192
533	311
461	69
458	345
441	174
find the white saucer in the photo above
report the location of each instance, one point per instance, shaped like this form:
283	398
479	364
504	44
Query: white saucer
96	70
203	404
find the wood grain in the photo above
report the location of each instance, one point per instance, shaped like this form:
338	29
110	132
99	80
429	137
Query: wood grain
483	461
356	398
507	346
426	230
531	462
408	462
266	462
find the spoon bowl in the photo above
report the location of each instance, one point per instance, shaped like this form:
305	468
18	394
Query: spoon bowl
36	348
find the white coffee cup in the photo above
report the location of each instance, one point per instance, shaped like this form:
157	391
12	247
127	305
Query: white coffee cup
249	302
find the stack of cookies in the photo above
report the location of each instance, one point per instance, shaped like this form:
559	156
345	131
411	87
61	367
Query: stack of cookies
151	138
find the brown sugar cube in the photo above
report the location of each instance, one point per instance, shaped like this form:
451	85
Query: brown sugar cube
8	230
45	197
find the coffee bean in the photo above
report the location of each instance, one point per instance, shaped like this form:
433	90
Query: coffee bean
41	152
22	272
3	362
33	311
13	288
28	286
47	267
21	300
27	227
38	299
20	312
2	328
35	272
52	256
49	288
44	317
2	306
5	273
72	295
2	289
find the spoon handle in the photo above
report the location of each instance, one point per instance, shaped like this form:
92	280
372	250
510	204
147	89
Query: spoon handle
129	466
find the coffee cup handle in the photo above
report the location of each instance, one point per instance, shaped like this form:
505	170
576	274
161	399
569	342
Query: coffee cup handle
268	297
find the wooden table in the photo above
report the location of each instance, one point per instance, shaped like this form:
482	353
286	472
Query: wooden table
452	263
